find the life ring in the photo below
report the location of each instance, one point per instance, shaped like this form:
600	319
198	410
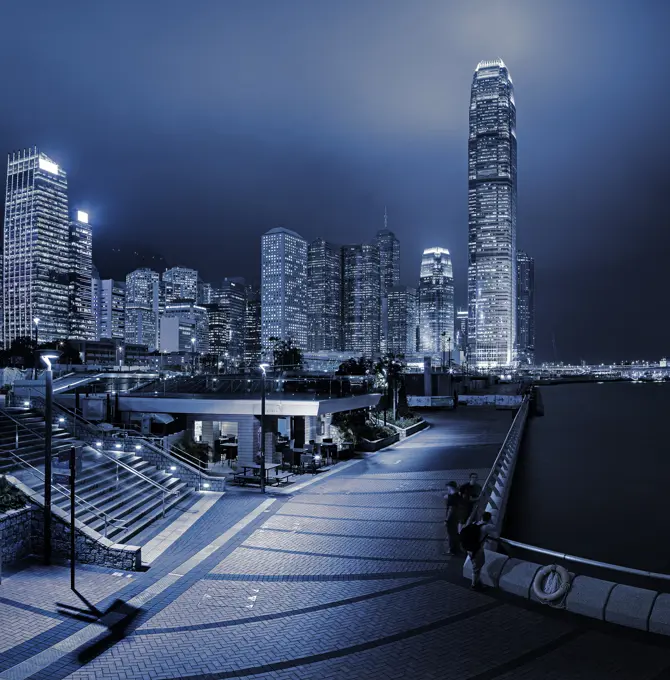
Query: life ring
563	578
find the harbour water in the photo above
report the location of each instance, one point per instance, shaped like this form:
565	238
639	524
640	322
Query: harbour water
593	476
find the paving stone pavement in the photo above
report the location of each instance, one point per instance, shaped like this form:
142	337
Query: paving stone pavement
344	579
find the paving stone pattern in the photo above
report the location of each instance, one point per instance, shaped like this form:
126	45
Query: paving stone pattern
345	579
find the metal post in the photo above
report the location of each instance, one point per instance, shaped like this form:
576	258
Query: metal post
48	425
72	516
263	433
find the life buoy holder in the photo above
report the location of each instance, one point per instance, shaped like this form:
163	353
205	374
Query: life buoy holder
563	577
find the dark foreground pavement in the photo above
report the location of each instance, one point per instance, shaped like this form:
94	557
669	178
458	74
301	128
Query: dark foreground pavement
345	579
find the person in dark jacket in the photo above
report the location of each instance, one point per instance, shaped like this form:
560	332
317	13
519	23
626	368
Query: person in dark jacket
454	507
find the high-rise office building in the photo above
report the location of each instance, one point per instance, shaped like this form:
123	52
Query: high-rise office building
142	308
36	249
111	315
184	327
204	293
231	298
525	308
82	319
492	217
436	303
252	327
283	288
180	283
361	299
324	296
219	330
403	321
389	269
461	343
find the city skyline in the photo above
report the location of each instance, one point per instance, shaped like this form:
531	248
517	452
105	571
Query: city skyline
369	145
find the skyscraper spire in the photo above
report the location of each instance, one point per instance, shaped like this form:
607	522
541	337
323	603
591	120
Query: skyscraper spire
386	219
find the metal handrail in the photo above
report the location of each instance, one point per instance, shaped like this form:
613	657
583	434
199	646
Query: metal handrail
494	472
584	560
169	492
100	514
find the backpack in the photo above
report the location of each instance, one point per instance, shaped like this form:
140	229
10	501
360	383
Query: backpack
470	538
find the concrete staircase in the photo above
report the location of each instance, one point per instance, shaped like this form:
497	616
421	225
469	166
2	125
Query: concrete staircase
119	494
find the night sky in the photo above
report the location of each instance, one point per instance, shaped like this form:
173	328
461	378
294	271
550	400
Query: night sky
189	128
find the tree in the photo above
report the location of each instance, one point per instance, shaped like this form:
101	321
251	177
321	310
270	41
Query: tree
360	366
286	355
388	376
21	353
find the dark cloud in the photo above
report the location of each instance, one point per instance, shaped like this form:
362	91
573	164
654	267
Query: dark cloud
188	129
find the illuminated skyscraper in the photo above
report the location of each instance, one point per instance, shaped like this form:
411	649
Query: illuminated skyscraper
461	342
180	283
142	308
82	319
324	296
525	308
436	303
231	299
403	321
110	308
389	269
182	322
36	248
361	300
492	217
252	327
283	288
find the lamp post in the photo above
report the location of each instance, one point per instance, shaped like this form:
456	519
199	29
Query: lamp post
36	321
193	356
262	470
46	357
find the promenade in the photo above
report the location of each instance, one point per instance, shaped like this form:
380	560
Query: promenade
344	578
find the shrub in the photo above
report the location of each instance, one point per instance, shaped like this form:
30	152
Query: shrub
11	498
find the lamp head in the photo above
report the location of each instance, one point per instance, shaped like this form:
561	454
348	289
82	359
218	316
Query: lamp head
263	367
47	356
36	320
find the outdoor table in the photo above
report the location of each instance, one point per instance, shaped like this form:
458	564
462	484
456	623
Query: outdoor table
254	467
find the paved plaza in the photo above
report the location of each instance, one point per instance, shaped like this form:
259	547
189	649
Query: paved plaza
343	578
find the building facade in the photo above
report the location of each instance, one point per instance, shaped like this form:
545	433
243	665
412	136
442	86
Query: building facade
525	308
436	303
402	321
111	318
180	283
142	306
492	182
231	298
324	296
283	289
361	300
389	271
180	319
252	327
36	249
82	317
461	343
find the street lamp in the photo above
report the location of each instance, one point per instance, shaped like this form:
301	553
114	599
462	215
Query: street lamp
193	355
262	470
47	356
36	321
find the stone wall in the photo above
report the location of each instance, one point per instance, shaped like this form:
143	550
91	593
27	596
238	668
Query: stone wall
91	547
15	535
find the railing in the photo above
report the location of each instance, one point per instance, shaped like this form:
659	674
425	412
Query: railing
164	490
495	489
584	560
64	491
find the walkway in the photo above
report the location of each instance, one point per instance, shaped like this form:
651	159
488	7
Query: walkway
344	579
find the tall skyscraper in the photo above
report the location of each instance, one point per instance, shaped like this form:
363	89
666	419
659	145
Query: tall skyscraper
283	288
252	328
180	283
324	296
142	308
389	269
436	303
231	298
403	321
525	308
361	299
36	248
492	217
461	343
111	315
82	319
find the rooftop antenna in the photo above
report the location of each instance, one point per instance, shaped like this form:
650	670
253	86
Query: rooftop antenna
386	219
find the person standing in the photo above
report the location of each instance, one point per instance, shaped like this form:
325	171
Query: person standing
454	506
473	538
470	492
